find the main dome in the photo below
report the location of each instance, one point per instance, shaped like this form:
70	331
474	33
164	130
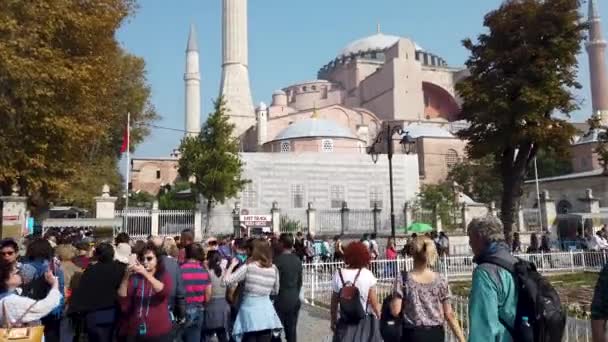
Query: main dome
378	41
313	127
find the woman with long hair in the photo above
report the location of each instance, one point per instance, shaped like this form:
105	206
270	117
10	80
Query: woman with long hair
217	311
143	297
421	297
256	319
338	248
357	258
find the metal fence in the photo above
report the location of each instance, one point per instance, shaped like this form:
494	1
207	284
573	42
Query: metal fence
293	217
318	278
141	223
532	220
172	222
136	222
361	221
329	221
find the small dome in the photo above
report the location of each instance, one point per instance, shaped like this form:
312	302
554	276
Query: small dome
311	127
279	92
417	130
262	106
377	41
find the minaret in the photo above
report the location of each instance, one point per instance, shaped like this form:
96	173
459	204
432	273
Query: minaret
192	78
596	47
235	73
262	117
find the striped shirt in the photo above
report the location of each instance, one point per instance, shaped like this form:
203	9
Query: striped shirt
196	280
259	281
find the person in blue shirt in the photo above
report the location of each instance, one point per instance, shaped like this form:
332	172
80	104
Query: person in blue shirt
493	297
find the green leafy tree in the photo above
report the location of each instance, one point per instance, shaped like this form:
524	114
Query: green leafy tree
550	164
66	86
478	179
289	225
173	197
440	199
522	72
602	144
212	159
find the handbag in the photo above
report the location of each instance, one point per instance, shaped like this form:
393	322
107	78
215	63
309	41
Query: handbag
20	333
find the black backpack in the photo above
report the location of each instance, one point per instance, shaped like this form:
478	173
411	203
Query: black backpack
349	298
537	302
391	327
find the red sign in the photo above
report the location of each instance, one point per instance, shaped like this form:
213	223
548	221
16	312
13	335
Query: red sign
10	218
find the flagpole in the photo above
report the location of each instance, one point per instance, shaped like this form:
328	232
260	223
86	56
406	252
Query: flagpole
127	171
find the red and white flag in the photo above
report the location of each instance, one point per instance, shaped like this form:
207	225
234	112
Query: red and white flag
125	140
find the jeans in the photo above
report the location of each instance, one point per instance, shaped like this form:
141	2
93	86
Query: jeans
192	329
423	334
289	319
221	334
258	336
100	325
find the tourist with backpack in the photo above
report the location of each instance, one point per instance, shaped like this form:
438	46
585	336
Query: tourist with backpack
354	301
509	300
420	299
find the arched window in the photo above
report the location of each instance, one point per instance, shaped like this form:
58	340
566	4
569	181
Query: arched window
285	146
451	158
564	207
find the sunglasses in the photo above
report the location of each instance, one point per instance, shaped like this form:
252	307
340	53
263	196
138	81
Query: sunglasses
147	259
7	253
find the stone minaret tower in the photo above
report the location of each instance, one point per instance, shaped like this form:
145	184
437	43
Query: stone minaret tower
596	47
262	127
235	73
192	78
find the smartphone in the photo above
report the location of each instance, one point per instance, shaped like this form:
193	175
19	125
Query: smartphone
52	266
133	260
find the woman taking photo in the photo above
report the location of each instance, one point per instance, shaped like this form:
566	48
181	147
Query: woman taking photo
356	257
421	297
143	298
256	319
217	311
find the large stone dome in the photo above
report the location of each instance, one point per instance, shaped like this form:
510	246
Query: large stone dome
378	41
314	127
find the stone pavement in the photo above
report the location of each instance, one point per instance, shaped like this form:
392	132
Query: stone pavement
313	325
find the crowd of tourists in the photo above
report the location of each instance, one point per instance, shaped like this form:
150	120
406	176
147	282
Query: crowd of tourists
249	289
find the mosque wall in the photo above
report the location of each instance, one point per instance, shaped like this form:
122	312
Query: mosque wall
584	158
316	145
438	103
569	191
345	75
148	175
436	155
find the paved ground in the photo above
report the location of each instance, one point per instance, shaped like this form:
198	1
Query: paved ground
313	325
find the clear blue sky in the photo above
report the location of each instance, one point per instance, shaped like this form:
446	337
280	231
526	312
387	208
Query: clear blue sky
288	42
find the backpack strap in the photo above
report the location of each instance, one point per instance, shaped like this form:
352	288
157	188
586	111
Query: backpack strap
356	277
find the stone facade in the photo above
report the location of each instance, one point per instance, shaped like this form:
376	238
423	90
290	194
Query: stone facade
149	174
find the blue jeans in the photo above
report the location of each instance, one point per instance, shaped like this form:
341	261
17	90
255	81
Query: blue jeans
192	329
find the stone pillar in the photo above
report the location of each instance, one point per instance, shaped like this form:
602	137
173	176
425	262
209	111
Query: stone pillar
105	204
437	221
236	219
344	218
407	214
14	212
590	203
492	209
275	212
521	223
464	211
548	212
311	218
198	222
376	214
155	215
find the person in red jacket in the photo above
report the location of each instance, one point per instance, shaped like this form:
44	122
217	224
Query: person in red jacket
143	297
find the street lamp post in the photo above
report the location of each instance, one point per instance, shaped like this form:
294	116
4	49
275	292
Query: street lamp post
407	143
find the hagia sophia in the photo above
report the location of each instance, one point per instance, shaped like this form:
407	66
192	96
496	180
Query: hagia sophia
309	144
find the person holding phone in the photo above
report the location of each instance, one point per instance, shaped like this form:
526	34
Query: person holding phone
143	296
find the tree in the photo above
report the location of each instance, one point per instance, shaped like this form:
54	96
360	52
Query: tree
550	164
212	160
440	199
173	198
519	91
478	179
66	86
595	124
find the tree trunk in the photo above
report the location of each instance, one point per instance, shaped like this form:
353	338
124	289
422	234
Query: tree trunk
507	207
208	218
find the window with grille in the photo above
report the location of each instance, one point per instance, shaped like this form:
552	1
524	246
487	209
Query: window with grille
297	196
250	196
327	145
337	196
285	146
451	159
375	196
